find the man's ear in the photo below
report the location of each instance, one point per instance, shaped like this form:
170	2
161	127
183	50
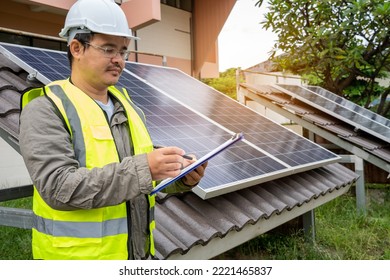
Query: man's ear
76	48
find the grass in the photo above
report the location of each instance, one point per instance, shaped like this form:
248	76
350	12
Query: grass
341	234
15	243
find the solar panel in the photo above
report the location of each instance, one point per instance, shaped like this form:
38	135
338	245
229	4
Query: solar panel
349	104
198	121
341	109
273	138
44	65
171	123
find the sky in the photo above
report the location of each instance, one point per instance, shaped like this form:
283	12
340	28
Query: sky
243	42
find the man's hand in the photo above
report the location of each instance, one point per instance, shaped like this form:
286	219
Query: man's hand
193	178
166	162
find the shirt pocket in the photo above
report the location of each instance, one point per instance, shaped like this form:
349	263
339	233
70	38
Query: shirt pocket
101	146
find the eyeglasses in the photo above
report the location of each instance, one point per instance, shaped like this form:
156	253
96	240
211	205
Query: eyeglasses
109	52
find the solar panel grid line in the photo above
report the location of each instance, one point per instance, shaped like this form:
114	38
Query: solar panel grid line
337	111
167	119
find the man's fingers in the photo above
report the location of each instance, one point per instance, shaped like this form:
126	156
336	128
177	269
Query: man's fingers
171	151
165	162
193	178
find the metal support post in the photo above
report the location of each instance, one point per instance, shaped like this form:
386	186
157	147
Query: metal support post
360	183
309	226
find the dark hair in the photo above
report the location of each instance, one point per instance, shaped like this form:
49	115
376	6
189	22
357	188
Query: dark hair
83	38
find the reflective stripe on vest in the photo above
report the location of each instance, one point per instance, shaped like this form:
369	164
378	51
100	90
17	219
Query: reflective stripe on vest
77	232
73	124
80	229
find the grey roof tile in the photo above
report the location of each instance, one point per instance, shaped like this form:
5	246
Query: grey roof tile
341	130
7	63
382	153
320	119
369	144
13	82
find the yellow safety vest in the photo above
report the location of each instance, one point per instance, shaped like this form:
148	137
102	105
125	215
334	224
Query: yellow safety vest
96	233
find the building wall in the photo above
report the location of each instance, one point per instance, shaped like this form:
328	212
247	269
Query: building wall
23	17
187	44
209	18
170	37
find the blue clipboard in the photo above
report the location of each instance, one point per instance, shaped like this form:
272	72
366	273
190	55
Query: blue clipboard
164	183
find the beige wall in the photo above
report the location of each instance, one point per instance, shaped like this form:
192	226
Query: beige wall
171	37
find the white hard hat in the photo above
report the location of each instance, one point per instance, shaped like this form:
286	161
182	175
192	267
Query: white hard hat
99	16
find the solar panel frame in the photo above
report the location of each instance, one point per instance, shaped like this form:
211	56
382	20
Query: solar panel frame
338	111
258	165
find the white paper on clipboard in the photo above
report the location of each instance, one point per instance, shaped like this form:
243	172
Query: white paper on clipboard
164	183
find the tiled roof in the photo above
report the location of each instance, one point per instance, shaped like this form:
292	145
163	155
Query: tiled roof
186	221
344	131
13	81
190	227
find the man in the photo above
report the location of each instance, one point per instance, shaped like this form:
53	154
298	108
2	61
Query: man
88	151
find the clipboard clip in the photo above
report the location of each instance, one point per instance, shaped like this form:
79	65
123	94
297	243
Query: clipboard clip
237	136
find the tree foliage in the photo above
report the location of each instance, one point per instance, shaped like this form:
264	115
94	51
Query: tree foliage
341	45
226	83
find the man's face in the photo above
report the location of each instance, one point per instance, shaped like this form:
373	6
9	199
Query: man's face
101	63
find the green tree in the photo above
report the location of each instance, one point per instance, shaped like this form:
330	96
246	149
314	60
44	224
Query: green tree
226	83
341	45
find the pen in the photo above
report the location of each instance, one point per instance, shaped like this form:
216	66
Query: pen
187	157
184	156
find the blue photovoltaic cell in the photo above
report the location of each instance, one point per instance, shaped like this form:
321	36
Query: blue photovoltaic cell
342	109
274	139
183	112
